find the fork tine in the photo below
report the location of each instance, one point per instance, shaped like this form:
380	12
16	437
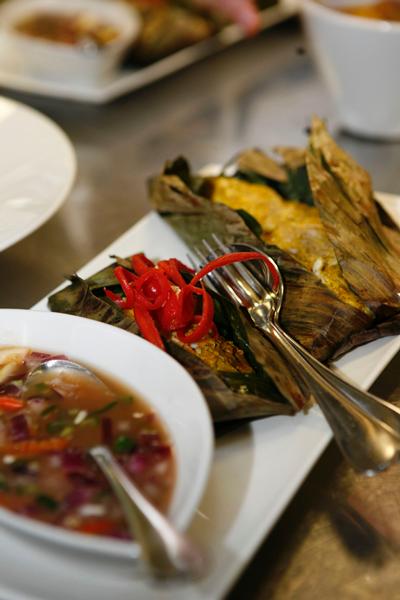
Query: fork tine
218	283
242	269
228	276
196	265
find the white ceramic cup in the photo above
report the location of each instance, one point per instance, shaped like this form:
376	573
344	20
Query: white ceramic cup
359	59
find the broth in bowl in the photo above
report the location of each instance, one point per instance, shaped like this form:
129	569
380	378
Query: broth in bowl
386	10
78	29
45	432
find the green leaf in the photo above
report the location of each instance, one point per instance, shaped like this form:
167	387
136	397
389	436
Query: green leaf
124	444
79	299
47	502
102	410
48	410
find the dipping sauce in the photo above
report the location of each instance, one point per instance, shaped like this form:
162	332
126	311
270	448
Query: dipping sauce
45	472
387	10
80	29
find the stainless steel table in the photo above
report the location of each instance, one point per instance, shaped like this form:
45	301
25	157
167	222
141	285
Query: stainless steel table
341	533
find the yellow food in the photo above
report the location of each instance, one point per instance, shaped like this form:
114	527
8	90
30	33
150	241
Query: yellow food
220	355
292	226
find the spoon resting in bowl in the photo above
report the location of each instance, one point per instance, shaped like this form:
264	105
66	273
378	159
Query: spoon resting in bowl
165	551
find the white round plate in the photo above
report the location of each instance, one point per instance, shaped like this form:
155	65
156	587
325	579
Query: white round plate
37	170
155	376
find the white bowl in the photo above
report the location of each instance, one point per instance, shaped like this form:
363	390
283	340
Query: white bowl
57	61
359	60
155	376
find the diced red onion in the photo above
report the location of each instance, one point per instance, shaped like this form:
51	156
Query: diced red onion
10	389
19	429
106	430
79	495
148	438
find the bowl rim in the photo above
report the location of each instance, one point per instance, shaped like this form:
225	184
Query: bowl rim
100	545
323	9
127	16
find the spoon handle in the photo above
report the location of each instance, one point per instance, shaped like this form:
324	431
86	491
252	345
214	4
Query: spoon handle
366	428
165	551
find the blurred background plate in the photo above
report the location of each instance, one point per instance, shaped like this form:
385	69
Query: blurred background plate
37	170
129	79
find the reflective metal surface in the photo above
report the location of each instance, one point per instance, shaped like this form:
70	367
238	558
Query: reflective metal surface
341	534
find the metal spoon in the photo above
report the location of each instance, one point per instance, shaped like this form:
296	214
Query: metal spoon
165	551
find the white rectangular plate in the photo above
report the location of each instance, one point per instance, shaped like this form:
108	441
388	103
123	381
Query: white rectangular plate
255	473
128	80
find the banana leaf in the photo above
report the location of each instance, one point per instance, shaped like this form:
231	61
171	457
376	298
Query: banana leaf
342	192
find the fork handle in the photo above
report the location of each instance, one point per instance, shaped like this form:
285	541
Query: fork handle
366	428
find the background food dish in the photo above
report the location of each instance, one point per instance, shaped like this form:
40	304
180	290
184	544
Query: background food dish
36	173
131	77
48	59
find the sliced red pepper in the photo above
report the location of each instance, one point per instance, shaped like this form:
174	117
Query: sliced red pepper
228	259
10	403
206	320
152	289
123	276
119	301
97	526
147	326
141	264
171	269
178	310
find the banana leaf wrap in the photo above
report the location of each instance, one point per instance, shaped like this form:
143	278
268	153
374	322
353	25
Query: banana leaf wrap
311	313
365	239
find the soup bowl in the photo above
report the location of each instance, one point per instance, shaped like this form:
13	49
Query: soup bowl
154	377
359	61
47	59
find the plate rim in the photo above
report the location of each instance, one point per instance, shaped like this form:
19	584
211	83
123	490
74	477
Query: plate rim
65	189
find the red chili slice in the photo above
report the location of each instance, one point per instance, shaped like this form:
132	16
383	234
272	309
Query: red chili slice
171	269
159	306
206	319
152	289
10	403
141	264
123	276
228	259
147	326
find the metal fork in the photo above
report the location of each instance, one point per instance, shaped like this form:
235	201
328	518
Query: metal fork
366	428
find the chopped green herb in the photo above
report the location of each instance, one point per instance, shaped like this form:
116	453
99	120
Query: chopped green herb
103	409
73	411
47	502
31	489
48	410
67	431
124	444
125	399
56	426
92	422
3	484
41	388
